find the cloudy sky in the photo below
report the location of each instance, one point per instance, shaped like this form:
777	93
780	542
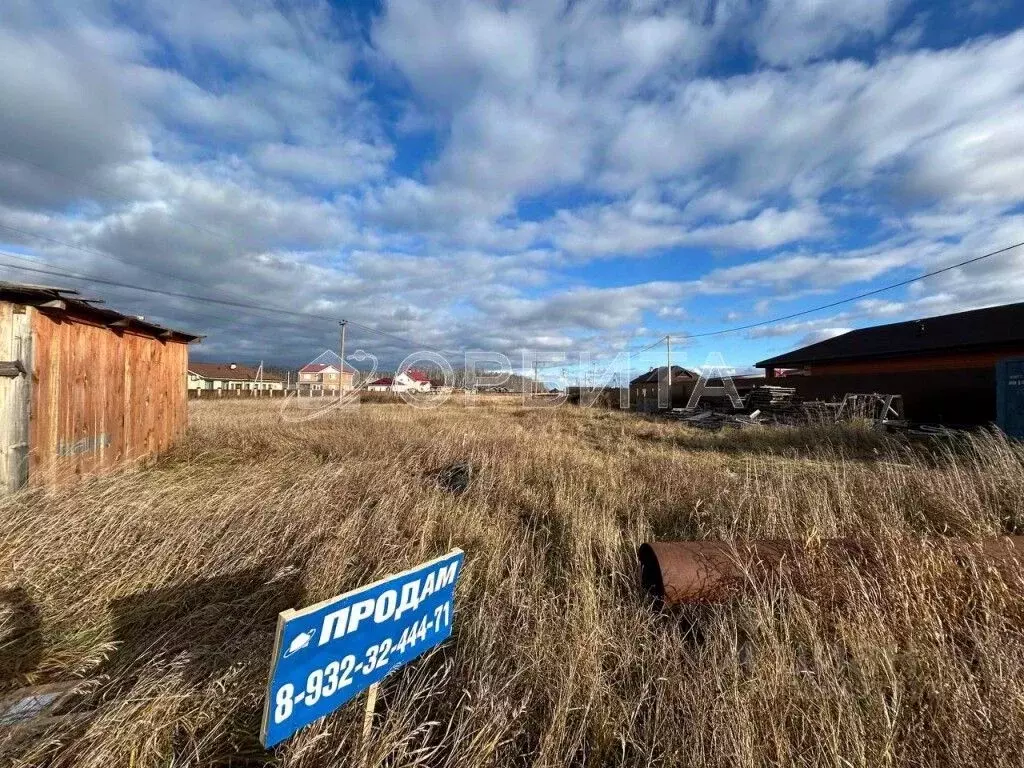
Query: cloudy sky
501	176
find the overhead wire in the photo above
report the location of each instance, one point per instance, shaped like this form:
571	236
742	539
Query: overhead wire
649	346
231	301
97	252
206	299
840	302
705	334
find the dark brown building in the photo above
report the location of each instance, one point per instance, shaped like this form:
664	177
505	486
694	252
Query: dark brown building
643	390
944	367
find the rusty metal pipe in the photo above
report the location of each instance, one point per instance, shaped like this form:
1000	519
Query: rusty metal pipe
677	572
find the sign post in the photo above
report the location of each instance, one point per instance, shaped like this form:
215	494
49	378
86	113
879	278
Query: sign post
328	653
371	706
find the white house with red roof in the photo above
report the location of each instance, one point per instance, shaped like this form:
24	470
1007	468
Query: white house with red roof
406	381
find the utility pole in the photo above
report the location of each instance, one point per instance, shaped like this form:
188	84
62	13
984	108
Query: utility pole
341	370
536	379
668	355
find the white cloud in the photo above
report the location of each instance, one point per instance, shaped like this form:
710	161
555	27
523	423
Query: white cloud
238	145
341	164
600	309
412	205
501	146
791	32
768	229
998	279
806	130
979	161
182	102
786	271
61	109
614	230
529	90
822	335
447	49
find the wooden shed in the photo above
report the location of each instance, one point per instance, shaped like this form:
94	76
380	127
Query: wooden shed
83	389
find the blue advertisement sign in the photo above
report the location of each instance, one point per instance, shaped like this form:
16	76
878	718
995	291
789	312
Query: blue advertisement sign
326	654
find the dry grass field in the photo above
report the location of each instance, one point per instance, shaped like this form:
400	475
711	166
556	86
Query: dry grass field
161	586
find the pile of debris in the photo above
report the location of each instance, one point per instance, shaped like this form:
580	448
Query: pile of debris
873	407
767	398
714	419
773	406
764	405
914	430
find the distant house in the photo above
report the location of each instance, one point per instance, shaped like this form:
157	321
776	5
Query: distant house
643	390
383	384
317	378
414	381
231	377
407	381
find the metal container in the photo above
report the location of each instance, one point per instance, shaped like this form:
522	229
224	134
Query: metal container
677	572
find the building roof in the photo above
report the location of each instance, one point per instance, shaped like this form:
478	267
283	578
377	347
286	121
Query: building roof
387	381
678	374
231	372
69	303
961	331
321	367
417	375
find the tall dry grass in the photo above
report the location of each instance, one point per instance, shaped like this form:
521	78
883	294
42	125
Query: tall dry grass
161	587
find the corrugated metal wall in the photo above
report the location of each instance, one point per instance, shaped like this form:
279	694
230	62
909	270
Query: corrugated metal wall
100	398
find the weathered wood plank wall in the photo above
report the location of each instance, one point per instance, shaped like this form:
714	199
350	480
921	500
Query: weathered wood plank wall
101	397
15	394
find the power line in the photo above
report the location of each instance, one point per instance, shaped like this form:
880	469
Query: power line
234	300
240	304
97	252
650	346
370	329
840	302
205	299
227	302
161	292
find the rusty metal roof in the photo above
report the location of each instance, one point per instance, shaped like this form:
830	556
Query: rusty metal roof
52	299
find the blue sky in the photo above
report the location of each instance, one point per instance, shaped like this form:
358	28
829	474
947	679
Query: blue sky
515	176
